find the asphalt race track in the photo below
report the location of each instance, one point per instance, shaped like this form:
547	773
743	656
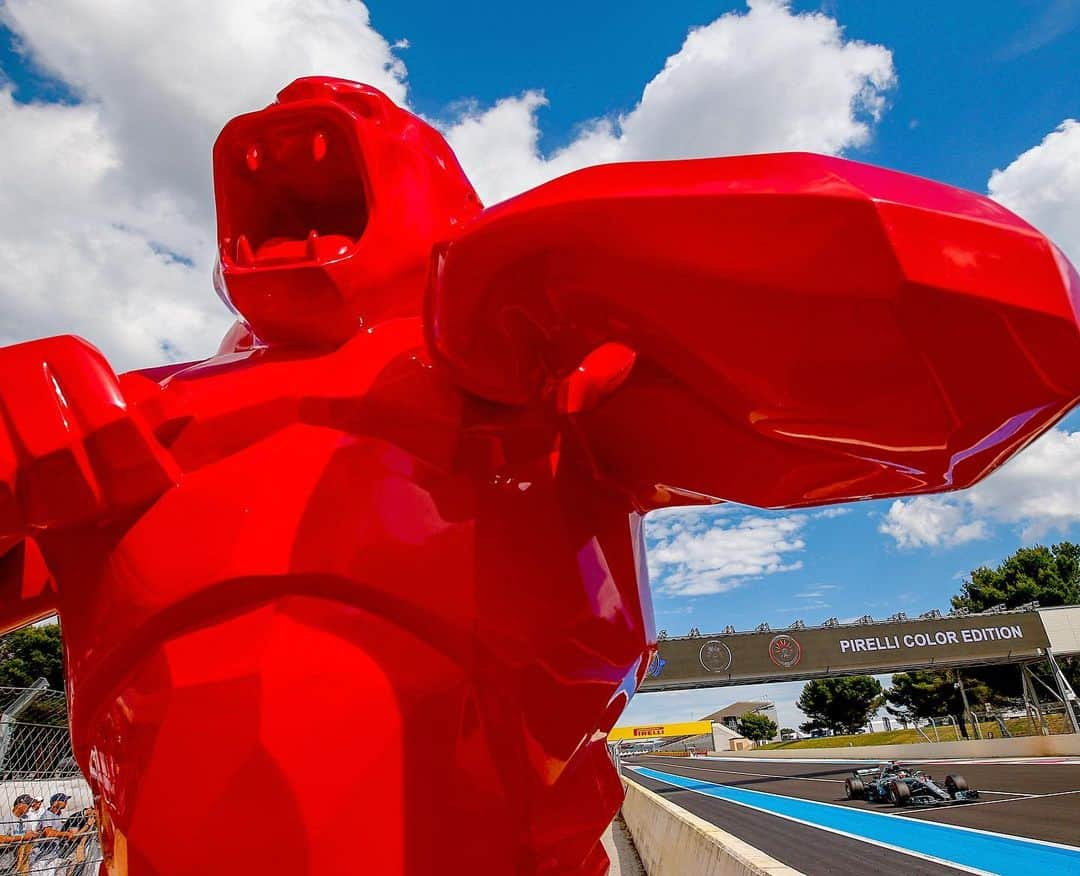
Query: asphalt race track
1027	820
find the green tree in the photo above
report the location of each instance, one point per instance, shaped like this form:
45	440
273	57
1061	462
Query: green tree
757	727
924	694
32	653
1048	575
843	705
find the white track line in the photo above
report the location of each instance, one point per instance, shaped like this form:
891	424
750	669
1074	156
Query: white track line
993	761
852	836
1014	794
759	775
983	831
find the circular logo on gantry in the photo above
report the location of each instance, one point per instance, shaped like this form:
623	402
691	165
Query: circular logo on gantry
715	656
785	651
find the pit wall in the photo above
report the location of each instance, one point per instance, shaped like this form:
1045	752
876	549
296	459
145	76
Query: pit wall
1061	745
674	842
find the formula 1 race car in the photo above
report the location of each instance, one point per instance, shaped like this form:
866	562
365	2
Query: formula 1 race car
892	783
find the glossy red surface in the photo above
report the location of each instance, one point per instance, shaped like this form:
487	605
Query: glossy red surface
364	591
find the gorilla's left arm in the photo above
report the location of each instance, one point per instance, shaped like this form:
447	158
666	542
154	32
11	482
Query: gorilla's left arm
777	330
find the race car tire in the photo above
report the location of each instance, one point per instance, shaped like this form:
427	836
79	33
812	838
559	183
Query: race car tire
954	784
854	789
899	793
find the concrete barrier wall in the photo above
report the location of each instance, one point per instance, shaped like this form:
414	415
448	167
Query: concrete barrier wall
674	842
1062	745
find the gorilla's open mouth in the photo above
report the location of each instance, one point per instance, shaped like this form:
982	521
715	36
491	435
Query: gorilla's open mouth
290	189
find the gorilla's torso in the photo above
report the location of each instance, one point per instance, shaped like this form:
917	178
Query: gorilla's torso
357	541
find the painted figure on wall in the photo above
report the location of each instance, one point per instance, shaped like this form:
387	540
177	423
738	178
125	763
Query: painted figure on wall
384	548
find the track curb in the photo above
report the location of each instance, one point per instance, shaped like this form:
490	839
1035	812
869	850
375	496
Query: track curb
674	842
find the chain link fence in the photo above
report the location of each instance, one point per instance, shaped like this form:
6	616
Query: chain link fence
47	822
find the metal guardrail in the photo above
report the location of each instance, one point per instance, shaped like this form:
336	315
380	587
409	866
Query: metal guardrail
74	852
36	764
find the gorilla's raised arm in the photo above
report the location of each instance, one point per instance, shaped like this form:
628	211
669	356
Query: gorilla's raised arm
777	330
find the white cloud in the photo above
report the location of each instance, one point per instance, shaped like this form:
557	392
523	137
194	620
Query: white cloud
930	521
687	608
668	522
759	81
1043	186
166	77
79	256
816	592
107	227
1038	490
1057	18
802	611
714	556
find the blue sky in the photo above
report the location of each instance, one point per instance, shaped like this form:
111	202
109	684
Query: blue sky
953	91
980	82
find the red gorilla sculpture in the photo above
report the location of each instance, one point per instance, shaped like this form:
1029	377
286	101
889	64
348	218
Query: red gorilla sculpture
364	591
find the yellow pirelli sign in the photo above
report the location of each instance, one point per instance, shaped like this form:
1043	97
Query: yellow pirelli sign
656	731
